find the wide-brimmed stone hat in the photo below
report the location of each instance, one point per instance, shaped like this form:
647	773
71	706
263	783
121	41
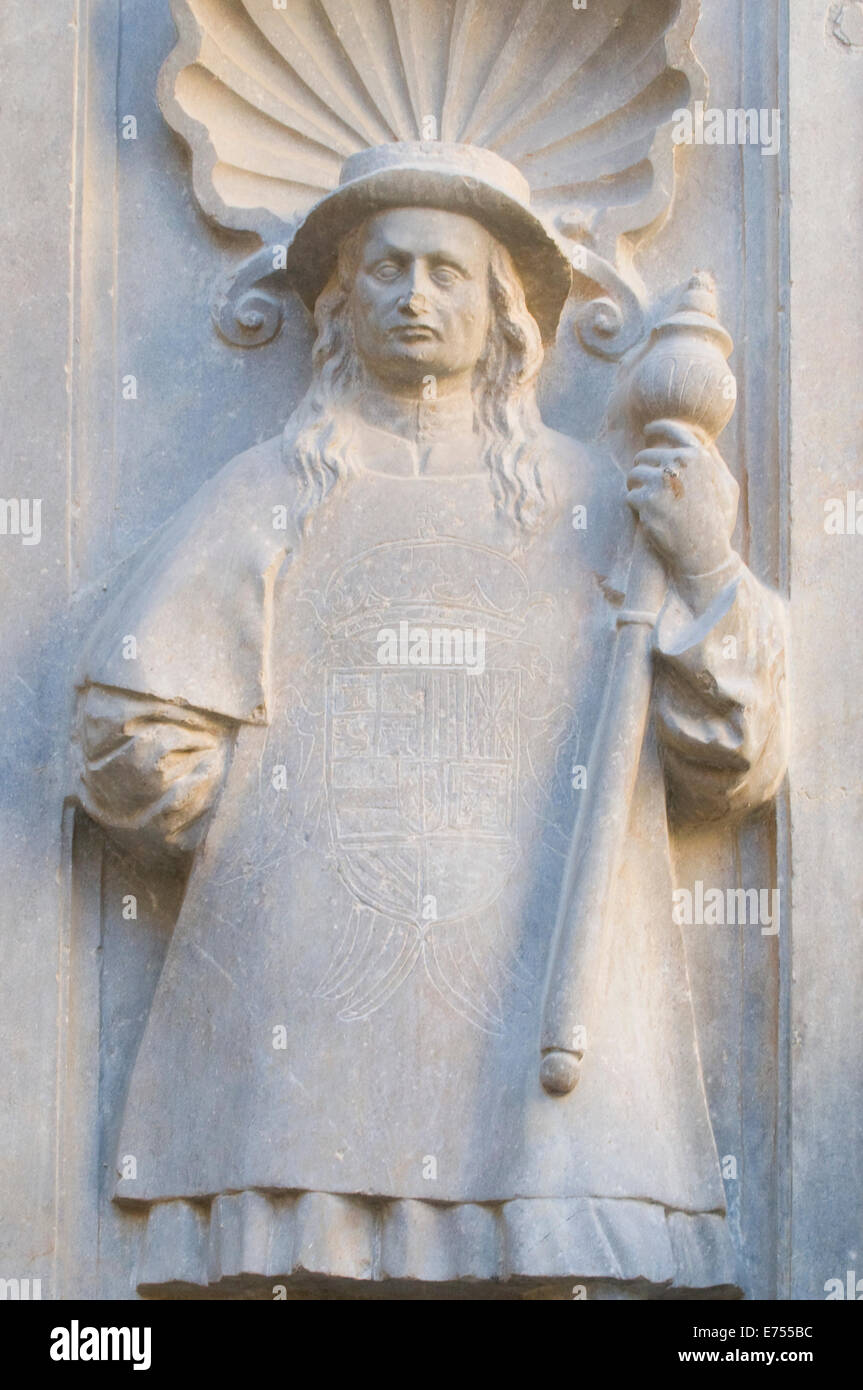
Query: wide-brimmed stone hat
458	178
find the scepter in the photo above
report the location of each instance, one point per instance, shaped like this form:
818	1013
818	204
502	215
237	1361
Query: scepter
682	383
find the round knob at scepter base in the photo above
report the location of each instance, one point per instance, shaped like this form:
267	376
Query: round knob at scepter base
559	1071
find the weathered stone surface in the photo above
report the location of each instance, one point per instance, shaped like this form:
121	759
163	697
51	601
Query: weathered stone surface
307	743
417	883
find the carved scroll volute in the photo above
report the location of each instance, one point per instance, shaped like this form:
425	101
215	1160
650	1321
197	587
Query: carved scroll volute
248	305
610	323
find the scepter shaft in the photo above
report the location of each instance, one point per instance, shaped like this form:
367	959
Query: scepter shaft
587	898
681	387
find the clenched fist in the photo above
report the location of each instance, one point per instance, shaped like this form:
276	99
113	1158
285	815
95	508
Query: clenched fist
685	498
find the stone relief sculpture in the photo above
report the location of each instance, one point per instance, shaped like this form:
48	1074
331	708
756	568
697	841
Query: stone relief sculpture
425	1013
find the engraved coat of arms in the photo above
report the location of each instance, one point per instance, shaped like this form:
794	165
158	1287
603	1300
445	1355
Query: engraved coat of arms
421	756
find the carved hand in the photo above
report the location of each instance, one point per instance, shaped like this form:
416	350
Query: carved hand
685	498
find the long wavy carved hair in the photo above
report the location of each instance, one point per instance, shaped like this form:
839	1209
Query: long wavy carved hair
318	434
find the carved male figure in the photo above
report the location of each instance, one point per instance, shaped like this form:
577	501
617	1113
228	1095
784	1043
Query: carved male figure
338	1077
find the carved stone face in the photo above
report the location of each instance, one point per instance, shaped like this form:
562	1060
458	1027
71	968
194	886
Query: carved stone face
421	295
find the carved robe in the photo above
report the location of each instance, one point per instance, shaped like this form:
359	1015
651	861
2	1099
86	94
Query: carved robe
339	1074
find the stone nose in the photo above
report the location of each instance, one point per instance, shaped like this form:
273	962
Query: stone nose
415	303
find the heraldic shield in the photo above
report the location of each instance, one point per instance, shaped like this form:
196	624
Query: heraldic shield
422	757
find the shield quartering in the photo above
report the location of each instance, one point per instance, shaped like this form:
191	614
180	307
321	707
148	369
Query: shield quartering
422	759
421	778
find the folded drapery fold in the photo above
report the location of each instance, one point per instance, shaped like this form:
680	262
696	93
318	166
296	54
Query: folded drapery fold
253	1236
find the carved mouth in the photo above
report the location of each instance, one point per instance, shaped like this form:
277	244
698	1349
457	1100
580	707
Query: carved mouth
414	332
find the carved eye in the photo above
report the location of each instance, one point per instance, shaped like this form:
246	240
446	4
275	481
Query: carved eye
387	270
445	275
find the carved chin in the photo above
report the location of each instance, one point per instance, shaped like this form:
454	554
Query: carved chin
409	345
402	354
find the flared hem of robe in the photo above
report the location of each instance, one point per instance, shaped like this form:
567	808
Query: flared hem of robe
241	1239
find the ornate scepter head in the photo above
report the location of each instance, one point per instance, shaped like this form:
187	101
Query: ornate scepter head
684	374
